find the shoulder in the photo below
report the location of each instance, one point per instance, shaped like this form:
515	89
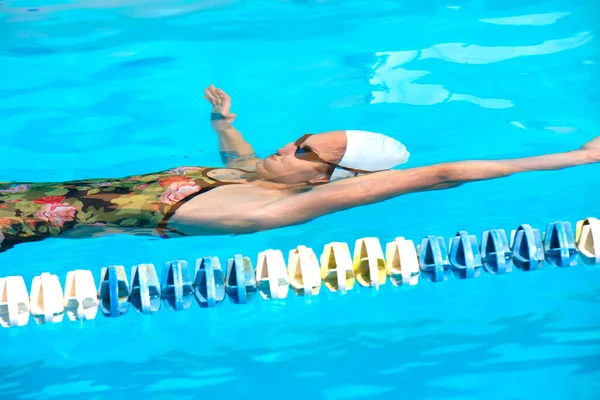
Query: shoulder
227	209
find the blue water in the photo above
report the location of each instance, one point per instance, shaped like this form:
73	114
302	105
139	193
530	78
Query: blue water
90	90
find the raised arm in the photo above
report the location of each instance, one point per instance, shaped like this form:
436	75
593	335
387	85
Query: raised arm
380	186
234	149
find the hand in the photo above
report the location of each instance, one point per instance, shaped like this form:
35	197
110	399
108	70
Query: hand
221	117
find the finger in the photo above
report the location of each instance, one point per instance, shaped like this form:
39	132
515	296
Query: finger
221	100
218	95
223	95
225	100
215	94
210	96
211	89
212	99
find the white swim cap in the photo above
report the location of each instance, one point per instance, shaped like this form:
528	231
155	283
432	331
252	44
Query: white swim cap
370	151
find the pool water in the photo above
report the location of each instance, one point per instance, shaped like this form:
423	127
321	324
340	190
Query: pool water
114	88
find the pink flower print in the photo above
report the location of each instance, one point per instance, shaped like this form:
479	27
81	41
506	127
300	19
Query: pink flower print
57	213
174	179
5	222
50	200
142	186
178	191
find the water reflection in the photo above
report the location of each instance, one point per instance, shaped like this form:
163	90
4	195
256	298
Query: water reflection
532	20
133	8
395	83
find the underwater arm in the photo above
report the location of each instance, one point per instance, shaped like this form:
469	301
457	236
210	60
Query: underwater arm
234	149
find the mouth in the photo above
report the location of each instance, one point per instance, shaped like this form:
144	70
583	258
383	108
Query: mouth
271	159
270	162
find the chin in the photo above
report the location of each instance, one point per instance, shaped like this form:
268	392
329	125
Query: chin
260	169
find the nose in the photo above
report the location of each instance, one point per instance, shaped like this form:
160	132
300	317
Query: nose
287	149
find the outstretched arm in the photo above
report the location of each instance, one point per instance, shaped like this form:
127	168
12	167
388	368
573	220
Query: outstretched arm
380	186
235	150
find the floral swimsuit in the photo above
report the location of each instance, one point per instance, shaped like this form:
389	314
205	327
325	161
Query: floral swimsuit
34	211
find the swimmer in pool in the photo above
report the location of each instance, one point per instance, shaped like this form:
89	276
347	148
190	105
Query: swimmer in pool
315	175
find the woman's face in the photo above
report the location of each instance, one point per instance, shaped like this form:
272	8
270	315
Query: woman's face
309	159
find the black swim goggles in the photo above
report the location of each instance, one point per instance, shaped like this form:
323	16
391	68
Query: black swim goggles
304	152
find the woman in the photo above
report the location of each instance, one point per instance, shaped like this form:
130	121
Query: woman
315	175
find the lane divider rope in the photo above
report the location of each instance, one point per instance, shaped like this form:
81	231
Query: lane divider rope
305	273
